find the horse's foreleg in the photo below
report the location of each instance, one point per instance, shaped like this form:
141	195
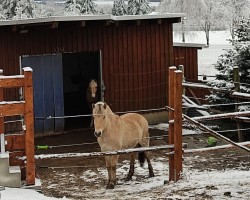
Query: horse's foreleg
132	167
111	163
150	168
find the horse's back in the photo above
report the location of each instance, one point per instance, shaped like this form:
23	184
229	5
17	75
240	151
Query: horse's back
137	119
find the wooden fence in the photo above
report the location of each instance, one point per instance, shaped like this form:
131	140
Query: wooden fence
175	146
175	122
20	144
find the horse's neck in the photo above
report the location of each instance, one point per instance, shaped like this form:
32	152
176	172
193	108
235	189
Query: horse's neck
114	121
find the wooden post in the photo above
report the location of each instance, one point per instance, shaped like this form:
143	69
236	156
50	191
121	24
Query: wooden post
1	99
178	124
171	117
237	89
2	131
29	122
181	67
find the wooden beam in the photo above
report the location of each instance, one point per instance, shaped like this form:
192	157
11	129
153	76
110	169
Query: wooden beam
106	153
215	134
29	122
178	124
243	119
1	99
15	142
240	95
11	81
171	117
222	116
11	108
14	158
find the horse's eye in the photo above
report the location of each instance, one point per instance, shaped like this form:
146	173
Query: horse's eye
103	117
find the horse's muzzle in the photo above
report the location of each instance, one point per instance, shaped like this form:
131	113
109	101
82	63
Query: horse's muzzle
98	134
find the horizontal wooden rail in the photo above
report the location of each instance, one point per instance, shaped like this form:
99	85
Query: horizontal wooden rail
222	116
214	133
240	95
15	142
203	86
11	81
11	108
107	153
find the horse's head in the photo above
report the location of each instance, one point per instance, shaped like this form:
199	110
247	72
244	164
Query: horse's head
100	112
93	87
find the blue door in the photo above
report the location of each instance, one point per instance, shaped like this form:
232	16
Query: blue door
48	92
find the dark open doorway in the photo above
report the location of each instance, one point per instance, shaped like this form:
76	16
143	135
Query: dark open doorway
78	70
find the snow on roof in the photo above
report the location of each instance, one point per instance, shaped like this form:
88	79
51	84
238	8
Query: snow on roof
90	18
184	44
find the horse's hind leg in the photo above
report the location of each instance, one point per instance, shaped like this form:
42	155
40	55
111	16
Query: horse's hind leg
145	143
150	168
132	167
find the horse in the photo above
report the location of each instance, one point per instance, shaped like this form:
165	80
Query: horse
91	96
115	132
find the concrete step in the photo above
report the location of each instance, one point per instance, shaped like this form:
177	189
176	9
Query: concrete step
10	176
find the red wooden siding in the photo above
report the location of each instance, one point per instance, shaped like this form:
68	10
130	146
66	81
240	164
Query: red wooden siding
135	57
188	57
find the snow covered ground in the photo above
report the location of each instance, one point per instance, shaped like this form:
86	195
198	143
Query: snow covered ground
196	184
203	182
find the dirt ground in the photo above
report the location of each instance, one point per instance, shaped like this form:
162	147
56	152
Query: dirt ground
64	177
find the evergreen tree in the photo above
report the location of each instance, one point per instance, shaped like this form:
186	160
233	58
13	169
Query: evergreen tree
80	7
17	9
119	8
239	56
138	7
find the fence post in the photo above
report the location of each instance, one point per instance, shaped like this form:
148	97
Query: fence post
2	131
178	124
181	67
236	79
29	122
1	99
171	117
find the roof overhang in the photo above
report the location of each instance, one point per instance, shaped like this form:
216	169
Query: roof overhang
173	17
191	45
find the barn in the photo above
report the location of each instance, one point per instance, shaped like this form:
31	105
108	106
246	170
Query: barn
129	56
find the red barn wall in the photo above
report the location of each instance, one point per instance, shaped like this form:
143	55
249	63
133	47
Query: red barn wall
135	58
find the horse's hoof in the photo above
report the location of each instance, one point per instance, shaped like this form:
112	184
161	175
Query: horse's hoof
128	178
110	186
151	175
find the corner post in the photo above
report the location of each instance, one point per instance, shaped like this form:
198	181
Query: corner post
171	118
29	123
178	124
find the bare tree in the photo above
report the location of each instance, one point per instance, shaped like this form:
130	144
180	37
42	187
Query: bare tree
235	10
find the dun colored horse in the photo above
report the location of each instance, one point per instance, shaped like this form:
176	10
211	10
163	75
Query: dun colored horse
91	95
115	132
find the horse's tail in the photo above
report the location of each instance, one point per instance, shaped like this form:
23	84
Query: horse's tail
141	157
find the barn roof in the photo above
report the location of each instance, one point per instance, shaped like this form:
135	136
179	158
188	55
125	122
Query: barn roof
174	16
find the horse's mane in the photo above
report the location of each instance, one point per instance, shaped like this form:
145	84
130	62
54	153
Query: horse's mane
99	109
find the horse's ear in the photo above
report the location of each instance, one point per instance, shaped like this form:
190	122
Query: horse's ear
105	105
93	105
